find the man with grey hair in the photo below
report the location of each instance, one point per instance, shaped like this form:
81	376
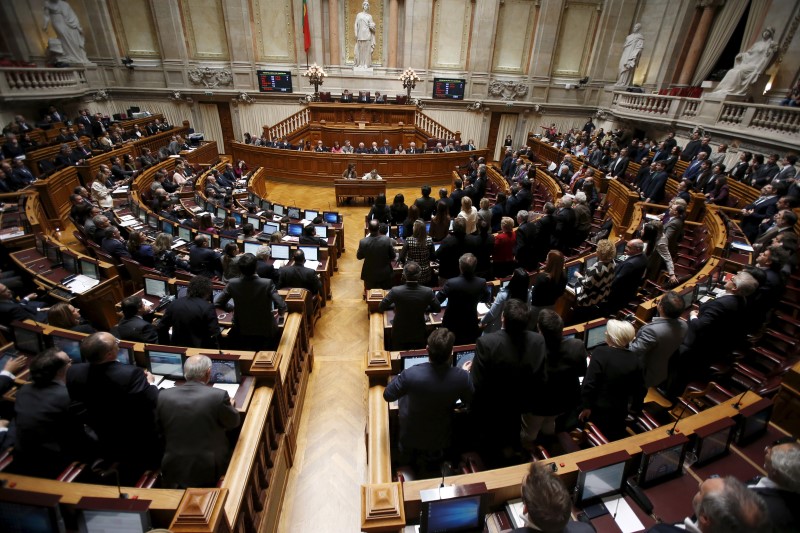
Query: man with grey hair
524	246
723	505
194	420
97	231
264	269
781	488
565	224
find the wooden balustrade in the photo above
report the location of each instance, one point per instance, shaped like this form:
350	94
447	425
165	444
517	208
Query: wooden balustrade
433	128
288	126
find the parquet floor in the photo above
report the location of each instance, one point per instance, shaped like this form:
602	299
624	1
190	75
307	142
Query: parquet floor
323	492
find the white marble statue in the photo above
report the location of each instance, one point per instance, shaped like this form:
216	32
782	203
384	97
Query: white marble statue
631	53
68	28
365	39
748	66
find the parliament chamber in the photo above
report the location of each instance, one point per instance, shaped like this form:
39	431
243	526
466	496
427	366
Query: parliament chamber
150	148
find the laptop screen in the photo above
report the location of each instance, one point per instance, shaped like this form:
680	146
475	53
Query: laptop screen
155	287
255	221
293	213
280	251
295	230
166	363
415	360
70	346
225	371
321	231
168	228
271	227
311	252
331	217
185	233
278	209
89	269
251	247
310	214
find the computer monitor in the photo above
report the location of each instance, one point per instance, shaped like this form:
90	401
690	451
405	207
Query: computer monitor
595	335
225	241
401	230
252	247
125	353
599	477
52	253
413	360
211	207
100	515
156	287
280	251
713	440
152	221
310	215
463	354
40	244
185	233
278	209
662	459
753	421
70	262
688	298
265	205
293	213
331	217
213	239
256	222
321	231
311	252
143	215
294	230
27	338
460	513
168	227
165	360
271	227
30	512
572	271
589	262
68	342
225	368
89	269
237	217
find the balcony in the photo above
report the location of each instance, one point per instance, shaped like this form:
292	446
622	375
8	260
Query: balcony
20	83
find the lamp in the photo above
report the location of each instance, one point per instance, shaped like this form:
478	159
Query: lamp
409	79
315	75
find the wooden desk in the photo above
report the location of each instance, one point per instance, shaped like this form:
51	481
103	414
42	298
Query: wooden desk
355	188
204	155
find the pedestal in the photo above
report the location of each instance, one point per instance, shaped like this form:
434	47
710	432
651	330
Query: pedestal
362	70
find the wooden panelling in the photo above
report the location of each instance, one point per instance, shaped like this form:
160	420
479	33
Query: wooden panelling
54	193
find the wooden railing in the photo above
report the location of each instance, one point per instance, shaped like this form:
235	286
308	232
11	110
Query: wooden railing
289	125
433	129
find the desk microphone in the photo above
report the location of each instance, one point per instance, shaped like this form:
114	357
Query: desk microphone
671	431
739	400
113	470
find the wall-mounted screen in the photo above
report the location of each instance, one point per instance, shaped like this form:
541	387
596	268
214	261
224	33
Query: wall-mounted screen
274	81
448	88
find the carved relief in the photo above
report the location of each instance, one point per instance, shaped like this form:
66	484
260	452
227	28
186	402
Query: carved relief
507	90
210	77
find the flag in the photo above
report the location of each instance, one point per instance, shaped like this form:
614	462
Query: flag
306	29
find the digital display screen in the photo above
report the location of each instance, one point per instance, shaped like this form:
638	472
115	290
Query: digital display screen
28	341
310	215
415	360
460	514
461	358
166	363
293	213
449	89
714	445
688	299
224	371
572	270
168	228
184	233
155	287
278	209
755	424
595	337
70	263
295	230
53	254
224	241
221	213
331	217
89	269
621	248
71	347
152	221
237	217
311	252
96	521
255	221
280	251
15	517
251	247
603	481
321	231
265	205
270	228
124	356
274	81
590	262
664	463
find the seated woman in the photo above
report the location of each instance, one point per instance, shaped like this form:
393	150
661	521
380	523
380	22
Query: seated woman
63	315
400	149
229	228
419	248
657	251
517	288
720	193
350	172
440	223
548	285
379	210
165	260
206	224
595	286
503	262
139	249
230	262
336	148
613	382
100	193
469	213
240	169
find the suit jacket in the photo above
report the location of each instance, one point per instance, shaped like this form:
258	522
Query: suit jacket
627	280
525	251
612	380
299	276
378	253
410	302
11	310
562	390
654	189
115	248
451	249
718	327
254	298
692	171
427	206
204	261
768	236
618	167
266	271
461	315
691	149
120	407
193	321
194	419
135	329
427	394
565	228
673	232
655	344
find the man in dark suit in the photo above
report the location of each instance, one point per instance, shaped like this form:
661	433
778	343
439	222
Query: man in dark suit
779	489
254	325
723	504
84	119
455	197
113	244
192	318
619	165
133	327
309	236
195	419
48	435
11	309
524	198
546	503
509	364
764	207
410	302
525	251
452	248
204	261
299	276
21	176
426	394
263	268
657	342
564	234
463	293
693	170
97	127
692	148
426	204
378	253
119	402
652	189
628	276
784	222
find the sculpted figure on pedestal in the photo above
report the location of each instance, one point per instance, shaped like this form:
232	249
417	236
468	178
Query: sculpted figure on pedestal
630	56
365	38
69	31
748	66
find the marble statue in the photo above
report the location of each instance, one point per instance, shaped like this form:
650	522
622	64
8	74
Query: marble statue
748	66
365	39
631	53
68	29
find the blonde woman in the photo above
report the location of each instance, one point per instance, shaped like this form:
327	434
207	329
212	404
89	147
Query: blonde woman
469	214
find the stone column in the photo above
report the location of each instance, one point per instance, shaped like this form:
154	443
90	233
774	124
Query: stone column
393	14
698	41
333	32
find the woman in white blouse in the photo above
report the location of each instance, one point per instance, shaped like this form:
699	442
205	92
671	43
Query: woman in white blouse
100	192
470	214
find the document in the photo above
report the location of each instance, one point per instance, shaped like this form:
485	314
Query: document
625	518
230	388
80	284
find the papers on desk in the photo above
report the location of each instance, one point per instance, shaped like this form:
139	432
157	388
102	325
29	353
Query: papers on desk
482	308
649	216
125	218
121	189
278	263
80	284
178	243
515	514
128	223
290	238
313	265
742	246
162	382
230	388
625	518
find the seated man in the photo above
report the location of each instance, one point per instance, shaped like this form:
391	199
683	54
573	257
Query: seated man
546	504
299	276
309	236
427	393
11	309
133	327
203	260
410	302
113	244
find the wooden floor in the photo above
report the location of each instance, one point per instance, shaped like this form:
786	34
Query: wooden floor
330	464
